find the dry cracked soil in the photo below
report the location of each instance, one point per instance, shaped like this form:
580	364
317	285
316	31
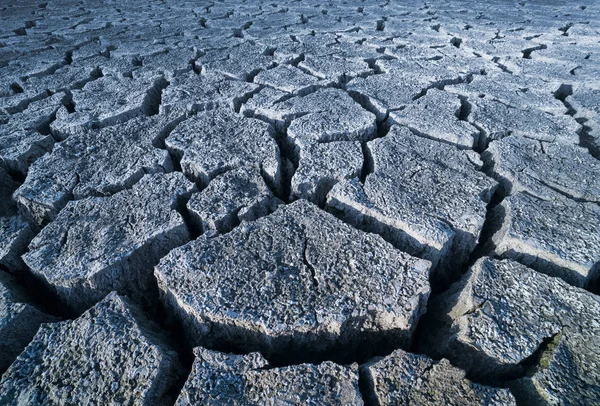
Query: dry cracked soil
360	202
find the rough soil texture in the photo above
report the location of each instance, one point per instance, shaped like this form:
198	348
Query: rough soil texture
366	202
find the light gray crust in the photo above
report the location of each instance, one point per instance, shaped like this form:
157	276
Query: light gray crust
322	165
296	280
94	162
542	169
110	355
99	244
436	116
15	234
215	141
227	379
323	116
238	195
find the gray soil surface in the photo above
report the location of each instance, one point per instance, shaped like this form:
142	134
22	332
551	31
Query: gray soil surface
366	202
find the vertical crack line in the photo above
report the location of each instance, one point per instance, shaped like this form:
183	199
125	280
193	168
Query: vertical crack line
368	164
194	227
313	273
365	387
153	99
585	139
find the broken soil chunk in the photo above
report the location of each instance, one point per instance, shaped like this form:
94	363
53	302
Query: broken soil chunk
427	197
111	354
15	234
322	165
403	378
240	194
94	162
498	120
19	321
100	244
436	115
109	100
193	93
227	379
504	319
523	164
558	237
323	116
215	141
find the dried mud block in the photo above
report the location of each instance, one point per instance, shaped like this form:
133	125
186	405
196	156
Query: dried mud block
298	281
403	378
558	237
219	378
427	197
112	354
100	244
504	320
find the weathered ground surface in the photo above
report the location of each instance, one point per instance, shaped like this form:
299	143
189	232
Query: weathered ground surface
244	202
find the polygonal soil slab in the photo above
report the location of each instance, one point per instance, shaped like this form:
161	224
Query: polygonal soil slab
240	194
558	237
194	93
296	281
215	141
290	79
504	319
425	196
100	244
25	136
322	116
403	378
219	378
19	321
94	162
241	62
111	354
511	90
436	115
322	165
15	234
338	69
108	100
542	169
497	120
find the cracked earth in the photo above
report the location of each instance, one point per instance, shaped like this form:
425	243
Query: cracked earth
324	203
